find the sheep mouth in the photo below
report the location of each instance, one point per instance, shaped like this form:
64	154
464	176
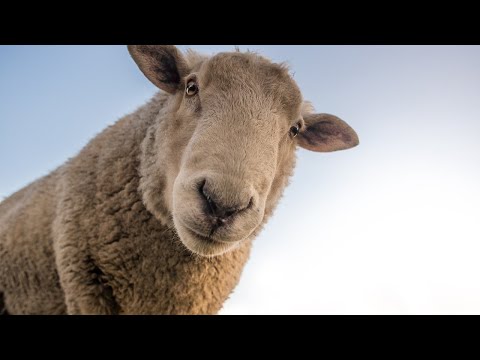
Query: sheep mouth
197	235
200	243
212	237
203	245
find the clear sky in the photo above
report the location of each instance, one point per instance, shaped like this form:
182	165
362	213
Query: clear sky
392	226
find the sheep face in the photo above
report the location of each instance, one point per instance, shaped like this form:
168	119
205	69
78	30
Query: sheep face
227	141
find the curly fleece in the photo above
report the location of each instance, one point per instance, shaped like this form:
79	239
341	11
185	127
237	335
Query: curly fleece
86	221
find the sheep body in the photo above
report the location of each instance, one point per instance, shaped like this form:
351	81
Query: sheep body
156	214
87	218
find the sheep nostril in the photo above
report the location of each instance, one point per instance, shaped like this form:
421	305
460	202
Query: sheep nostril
201	186
210	204
250	204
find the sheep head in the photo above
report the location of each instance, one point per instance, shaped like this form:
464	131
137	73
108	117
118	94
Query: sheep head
228	141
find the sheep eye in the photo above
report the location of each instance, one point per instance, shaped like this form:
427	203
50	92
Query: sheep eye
294	130
192	88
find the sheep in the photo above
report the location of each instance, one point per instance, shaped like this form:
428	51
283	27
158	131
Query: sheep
157	213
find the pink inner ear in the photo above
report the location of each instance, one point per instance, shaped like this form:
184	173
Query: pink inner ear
327	133
326	130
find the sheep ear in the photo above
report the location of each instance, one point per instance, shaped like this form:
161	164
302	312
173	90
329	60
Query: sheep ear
325	132
163	65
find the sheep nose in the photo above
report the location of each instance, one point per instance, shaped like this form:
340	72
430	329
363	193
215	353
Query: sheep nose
218	211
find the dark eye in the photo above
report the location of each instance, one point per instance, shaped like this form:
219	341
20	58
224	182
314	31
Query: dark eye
294	130
192	88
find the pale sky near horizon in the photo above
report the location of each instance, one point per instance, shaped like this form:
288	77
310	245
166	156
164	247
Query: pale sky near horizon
391	226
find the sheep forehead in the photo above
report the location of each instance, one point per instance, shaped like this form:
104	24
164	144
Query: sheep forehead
248	74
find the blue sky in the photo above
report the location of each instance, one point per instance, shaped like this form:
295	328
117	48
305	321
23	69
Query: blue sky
388	227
